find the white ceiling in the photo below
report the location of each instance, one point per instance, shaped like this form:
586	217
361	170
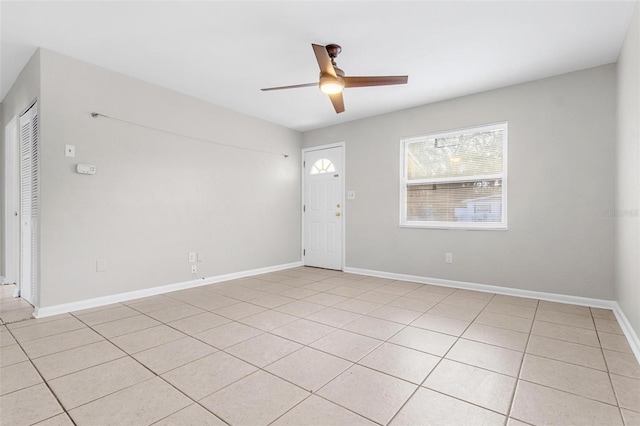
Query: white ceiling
224	52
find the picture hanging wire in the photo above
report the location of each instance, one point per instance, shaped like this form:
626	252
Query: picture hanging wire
97	114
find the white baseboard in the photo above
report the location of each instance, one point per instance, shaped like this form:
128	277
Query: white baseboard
47	311
629	332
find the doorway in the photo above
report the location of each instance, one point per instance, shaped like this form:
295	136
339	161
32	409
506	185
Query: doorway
323	207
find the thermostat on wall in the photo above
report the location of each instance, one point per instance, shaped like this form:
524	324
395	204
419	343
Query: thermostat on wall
86	169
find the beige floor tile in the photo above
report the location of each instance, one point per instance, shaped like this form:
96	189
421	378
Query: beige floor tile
257	399
494	358
59	420
14	315
413	304
153	303
46	329
446	325
514	300
398	361
347	345
334	317
308	368
608	326
298	293
271	301
475	385
372	394
614	342
60	342
438	289
565	332
627	391
211	301
602	313
299	281
465	302
96	309
511	310
452	311
239	310
325	299
395	314
513	422
11	354
320	412
395	290
18	376
622	364
268	320
106	315
571	378
28	406
509	322
497	336
143	403
6	338
193	415
208	375
320	286
93	383
345	291
176	312
69	361
300	308
564	307
226	335
560	408
263	350
481	295
427	407
148	338
198	323
163	358
631	418
426	295
574	320
410	285
125	325
374	327
573	353
303	331
377	297
358	306
424	340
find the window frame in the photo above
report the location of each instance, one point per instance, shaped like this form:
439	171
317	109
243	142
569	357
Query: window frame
494	226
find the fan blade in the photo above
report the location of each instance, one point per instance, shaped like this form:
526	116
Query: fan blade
295	86
375	81
338	102
324	61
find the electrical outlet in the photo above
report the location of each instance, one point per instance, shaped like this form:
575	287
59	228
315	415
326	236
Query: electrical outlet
448	257
194	269
192	257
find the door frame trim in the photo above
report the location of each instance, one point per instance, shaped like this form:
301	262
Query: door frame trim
11	252
340	145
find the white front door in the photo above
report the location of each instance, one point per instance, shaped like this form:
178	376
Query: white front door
323	207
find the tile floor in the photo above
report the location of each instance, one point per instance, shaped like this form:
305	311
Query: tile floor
13	309
309	346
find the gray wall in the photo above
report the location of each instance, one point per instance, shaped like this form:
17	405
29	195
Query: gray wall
628	182
22	94
155	196
561	174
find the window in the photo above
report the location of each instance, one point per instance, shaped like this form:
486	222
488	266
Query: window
322	166
456	179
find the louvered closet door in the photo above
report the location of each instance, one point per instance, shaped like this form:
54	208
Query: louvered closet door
29	203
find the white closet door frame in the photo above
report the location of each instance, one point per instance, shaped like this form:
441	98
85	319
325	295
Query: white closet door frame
29	204
11	203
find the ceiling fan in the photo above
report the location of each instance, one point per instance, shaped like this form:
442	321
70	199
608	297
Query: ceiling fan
333	81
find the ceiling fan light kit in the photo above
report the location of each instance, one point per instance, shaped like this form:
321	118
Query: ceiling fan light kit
333	81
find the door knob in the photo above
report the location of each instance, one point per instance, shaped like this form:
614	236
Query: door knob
337	213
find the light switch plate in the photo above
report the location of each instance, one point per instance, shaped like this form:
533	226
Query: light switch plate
86	169
351	195
69	150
